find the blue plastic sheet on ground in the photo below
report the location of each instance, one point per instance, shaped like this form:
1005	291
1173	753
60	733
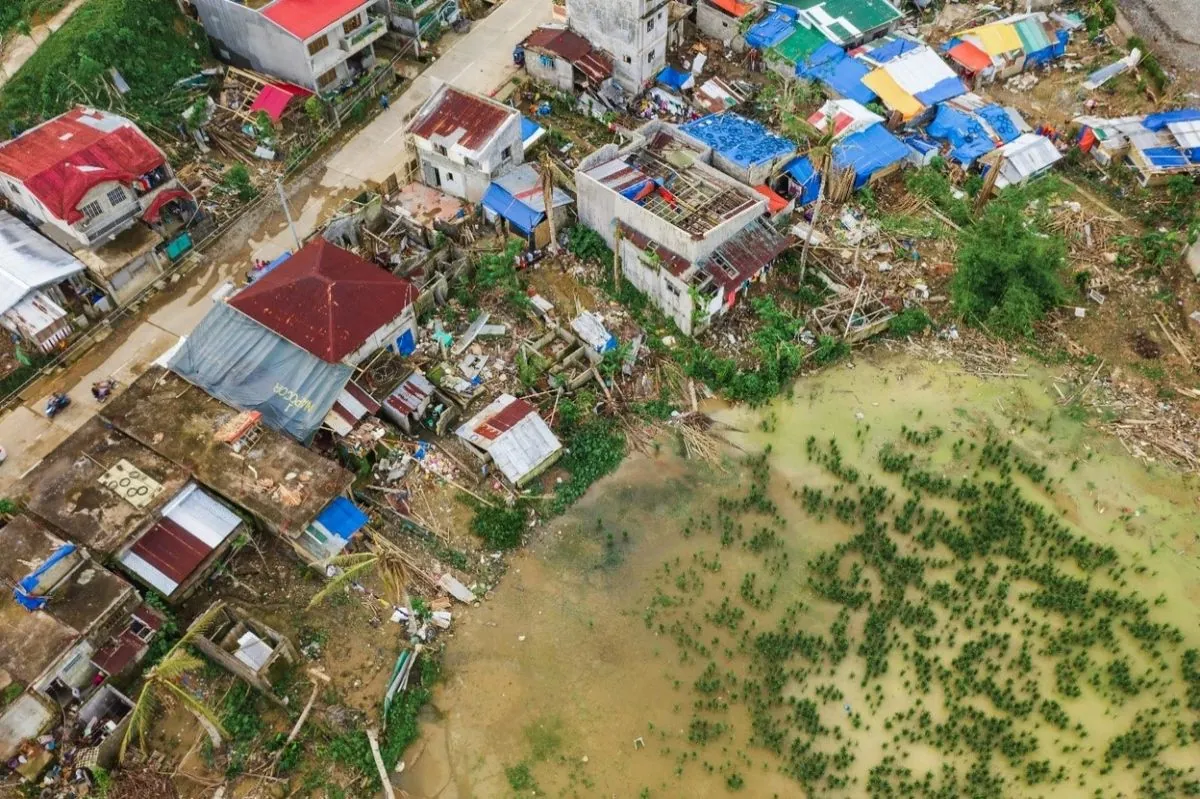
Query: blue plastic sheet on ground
497	200
967	137
673	78
23	590
742	141
342	518
893	49
1159	121
1000	121
943	90
830	65
776	27
806	177
868	152
1060	45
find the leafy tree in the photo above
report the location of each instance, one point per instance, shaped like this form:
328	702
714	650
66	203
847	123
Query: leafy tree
237	180
1009	273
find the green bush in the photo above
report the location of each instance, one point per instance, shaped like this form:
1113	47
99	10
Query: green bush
932	183
500	528
237	180
587	245
909	322
595	449
1008	272
149	42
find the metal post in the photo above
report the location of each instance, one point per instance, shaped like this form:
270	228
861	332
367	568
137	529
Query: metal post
287	213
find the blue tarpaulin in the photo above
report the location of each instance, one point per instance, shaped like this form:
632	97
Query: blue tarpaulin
945	89
530	132
1159	121
772	30
830	65
806	177
1000	121
342	518
892	49
742	141
868	152
497	200
23	592
968	139
673	78
1166	157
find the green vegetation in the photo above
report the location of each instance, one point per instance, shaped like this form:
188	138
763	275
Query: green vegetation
148	41
963	617
498	271
236	180
932	183
17	16
1008	272
10	692
500	528
910	322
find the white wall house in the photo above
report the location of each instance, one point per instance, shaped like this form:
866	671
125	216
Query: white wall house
633	31
465	140
88	175
318	44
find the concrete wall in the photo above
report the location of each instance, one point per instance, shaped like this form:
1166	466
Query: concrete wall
124	284
633	31
668	293
466	173
384	337
246	38
559	73
715	23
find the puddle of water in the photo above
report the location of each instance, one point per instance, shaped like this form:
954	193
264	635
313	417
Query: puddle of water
567	670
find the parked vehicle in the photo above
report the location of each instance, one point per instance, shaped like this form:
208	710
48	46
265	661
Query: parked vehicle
56	403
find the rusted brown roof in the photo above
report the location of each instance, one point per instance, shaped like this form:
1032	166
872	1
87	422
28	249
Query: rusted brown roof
674	263
745	255
466	119
573	48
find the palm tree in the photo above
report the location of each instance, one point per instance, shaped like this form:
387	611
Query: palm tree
387	561
161	685
820	154
547	169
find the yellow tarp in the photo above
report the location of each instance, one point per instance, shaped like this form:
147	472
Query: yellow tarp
894	97
997	38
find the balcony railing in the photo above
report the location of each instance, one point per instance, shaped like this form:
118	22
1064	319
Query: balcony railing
100	228
364	35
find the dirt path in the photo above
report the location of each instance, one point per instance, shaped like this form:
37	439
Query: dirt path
18	49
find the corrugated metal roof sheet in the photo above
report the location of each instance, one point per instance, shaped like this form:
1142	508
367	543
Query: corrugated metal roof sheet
525	185
60	160
674	263
453	117
745	255
1025	157
28	261
325	300
412	396
846	19
349	408
1186	133
973	58
306	18
573	48
715	96
997	38
513	434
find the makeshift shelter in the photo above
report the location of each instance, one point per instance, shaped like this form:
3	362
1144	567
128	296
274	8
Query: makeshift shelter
973	63
918	77
1026	157
804	181
675	79
33	276
797	47
510	433
968	138
716	95
531	133
841	74
518	198
772	29
871	154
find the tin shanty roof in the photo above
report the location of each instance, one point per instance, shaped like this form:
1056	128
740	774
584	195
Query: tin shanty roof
573	48
306	18
349	408
28	261
514	435
745	255
62	159
325	300
452	117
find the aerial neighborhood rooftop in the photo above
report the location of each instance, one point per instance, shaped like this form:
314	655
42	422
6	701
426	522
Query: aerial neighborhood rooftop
315	309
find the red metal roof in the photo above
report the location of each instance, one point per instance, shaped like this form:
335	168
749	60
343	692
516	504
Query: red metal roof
675	264
492	427
306	18
274	99
61	160
464	118
170	548
745	255
165	196
119	652
572	47
326	300
970	56
733	7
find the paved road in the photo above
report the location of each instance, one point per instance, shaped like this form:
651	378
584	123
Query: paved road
481	61
20	48
1171	26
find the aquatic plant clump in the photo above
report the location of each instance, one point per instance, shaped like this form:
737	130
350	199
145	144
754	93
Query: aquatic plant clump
959	615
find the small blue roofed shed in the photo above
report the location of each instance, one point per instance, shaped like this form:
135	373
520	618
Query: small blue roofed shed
772	30
842	74
518	198
676	79
868	153
332	529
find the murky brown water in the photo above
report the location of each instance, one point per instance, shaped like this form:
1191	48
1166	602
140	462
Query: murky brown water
559	671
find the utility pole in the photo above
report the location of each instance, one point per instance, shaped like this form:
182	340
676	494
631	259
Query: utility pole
287	212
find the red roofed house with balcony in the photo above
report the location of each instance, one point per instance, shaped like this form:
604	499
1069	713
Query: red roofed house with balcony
465	140
318	44
333	304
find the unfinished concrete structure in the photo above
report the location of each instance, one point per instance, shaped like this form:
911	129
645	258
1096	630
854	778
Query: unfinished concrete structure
317	44
464	140
565	60
687	235
634	32
243	645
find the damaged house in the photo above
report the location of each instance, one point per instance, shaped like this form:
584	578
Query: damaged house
98	186
565	60
634	33
285	488
243	645
687	235
518	198
510	434
287	346
62	615
464	141
318	44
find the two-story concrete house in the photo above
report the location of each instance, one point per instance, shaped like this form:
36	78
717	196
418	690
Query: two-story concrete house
689	236
318	44
465	140
85	178
633	31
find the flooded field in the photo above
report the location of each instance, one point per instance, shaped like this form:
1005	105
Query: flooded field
966	593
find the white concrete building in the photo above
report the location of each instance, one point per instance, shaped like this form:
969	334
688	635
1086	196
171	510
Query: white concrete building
318	44
689	236
464	140
633	31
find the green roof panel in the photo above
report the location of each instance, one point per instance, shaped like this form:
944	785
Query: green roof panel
802	43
